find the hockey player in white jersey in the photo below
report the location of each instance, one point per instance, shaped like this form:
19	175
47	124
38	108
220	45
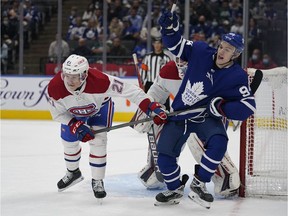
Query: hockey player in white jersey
80	99
213	87
226	178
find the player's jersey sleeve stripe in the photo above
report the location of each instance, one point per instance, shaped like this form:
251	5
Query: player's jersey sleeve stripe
246	102
175	47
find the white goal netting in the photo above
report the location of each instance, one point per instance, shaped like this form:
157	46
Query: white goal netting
263	154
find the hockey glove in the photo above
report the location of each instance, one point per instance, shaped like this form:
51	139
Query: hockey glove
160	115
81	130
168	22
215	107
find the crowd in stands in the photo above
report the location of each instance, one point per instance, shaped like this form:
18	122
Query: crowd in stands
127	24
35	15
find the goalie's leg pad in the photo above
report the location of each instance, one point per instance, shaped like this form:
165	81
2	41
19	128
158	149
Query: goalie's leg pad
225	184
226	178
148	178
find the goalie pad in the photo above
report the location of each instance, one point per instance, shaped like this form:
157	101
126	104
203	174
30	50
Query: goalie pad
147	176
226	178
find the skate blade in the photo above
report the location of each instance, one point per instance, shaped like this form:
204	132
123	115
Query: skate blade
172	202
75	182
195	198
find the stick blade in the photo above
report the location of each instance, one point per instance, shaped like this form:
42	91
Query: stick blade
257	79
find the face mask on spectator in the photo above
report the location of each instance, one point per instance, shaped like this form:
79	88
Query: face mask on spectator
254	57
265	61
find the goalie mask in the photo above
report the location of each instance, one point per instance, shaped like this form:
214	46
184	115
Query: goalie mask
74	71
181	66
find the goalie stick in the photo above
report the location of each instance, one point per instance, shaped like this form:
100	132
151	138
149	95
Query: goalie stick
150	134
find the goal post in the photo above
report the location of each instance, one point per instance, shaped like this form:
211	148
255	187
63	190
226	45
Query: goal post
263	139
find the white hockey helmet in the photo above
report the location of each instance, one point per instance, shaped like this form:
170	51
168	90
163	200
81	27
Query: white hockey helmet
181	66
76	64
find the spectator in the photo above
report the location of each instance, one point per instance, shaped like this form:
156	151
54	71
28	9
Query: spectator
4	57
117	50
224	12
155	14
270	13
258	10
236	10
83	49
140	8
76	32
253	35
141	46
32	17
214	41
255	60
201	27
136	20
199	37
117	9
238	27
72	16
216	29
115	28
53	49
88	14
129	31
202	8
267	62
91	32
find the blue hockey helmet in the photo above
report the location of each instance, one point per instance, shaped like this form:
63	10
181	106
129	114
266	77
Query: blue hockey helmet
235	40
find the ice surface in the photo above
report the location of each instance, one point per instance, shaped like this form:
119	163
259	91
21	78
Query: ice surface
32	163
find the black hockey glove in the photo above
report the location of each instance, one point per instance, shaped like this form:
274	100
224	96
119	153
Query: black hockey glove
81	130
168	22
215	107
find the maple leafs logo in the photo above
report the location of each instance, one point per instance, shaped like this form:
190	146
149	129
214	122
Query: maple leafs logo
193	93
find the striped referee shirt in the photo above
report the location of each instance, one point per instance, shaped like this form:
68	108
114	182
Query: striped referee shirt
151	65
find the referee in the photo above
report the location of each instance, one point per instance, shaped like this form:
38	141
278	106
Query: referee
151	65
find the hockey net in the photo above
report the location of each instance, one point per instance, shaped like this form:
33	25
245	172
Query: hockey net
263	148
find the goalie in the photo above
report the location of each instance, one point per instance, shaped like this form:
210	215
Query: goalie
226	178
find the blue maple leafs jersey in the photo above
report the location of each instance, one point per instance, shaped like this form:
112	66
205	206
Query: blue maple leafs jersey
204	81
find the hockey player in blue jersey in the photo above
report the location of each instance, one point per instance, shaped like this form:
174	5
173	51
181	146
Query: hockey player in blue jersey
213	86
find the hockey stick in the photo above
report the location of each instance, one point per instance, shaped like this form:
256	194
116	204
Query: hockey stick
131	123
257	79
150	134
137	70
173	6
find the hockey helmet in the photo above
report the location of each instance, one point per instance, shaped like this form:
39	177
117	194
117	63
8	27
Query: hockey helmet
235	40
76	64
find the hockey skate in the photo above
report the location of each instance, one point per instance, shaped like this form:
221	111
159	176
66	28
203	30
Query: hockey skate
172	197
98	189
70	179
199	193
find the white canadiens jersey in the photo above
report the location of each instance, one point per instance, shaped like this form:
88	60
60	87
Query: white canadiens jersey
168	82
86	102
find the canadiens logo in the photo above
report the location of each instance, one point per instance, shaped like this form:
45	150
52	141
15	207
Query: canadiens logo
193	93
84	111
